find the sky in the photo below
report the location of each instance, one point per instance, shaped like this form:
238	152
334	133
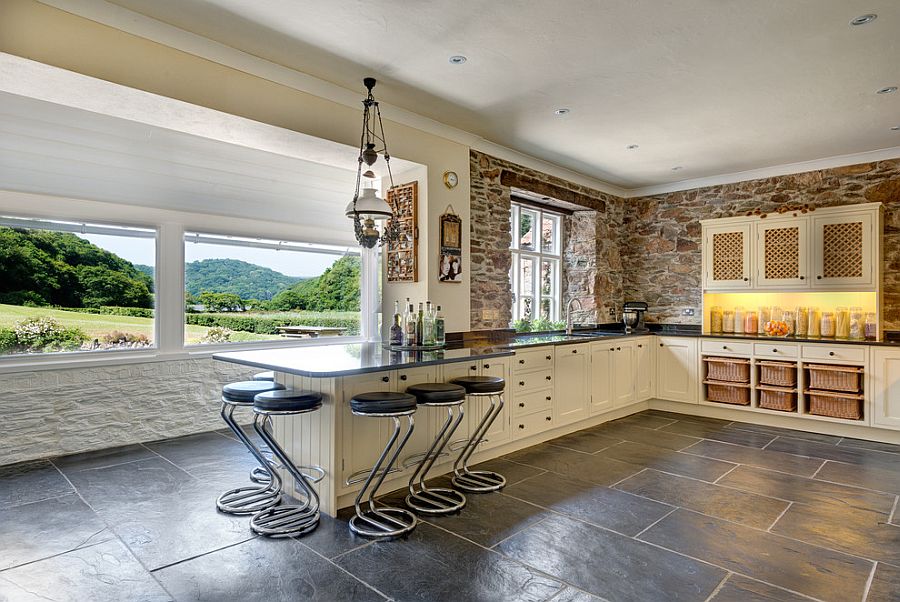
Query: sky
290	263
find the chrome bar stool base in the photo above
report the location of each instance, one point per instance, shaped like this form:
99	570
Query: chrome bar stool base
464	478
288	519
436	500
383	523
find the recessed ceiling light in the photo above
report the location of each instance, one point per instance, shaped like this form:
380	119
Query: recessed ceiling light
863	19
562	111
458	59
887	90
677	168
631	146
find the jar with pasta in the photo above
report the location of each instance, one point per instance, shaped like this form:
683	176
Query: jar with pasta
739	312
787	316
728	321
815	322
715	319
857	328
826	328
764	315
751	322
842	323
801	321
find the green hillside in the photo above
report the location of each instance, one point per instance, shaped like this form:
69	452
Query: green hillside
247	280
41	267
337	289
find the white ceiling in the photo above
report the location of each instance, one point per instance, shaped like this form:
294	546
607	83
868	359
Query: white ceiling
713	86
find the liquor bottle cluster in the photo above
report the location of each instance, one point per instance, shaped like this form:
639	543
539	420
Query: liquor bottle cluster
417	329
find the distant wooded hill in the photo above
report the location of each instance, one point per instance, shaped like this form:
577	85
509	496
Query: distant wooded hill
247	280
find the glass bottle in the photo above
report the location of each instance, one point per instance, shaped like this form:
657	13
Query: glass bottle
409	326
440	335
739	319
842	323
715	319
856	330
871	326
420	325
801	322
787	316
728	321
827	324
396	336
815	322
751	322
428	335
765	314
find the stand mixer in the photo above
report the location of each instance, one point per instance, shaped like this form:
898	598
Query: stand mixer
633	316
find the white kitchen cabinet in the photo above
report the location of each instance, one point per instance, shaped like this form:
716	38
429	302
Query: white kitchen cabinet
572	378
601	377
644	369
448	373
425	419
885	383
677	369
363	439
845	250
623	371
782	254
500	431
726	253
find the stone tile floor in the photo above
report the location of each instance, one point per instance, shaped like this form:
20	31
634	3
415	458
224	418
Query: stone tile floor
656	506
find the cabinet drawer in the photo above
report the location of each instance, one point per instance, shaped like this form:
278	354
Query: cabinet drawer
533	359
534	401
844	353
531	381
532	424
726	347
776	349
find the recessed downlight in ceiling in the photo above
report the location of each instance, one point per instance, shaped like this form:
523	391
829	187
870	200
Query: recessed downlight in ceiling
562	111
887	90
863	19
457	59
632	146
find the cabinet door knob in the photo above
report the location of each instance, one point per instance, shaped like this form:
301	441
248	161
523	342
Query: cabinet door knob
612	349
473	367
774	351
746	280
487	366
549	418
802	277
385	379
402	377
521	383
548	398
548	377
725	347
549	357
521	426
640	346
661	345
574	351
618	349
831	353
521	405
521	361
818	277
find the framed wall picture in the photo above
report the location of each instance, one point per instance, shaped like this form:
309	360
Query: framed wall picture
402	254
450	264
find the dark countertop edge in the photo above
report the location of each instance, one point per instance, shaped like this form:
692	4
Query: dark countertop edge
697	335
498	352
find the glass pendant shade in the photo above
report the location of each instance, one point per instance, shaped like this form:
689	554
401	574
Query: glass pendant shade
370	205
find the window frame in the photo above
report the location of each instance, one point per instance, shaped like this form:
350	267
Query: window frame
170	226
539	256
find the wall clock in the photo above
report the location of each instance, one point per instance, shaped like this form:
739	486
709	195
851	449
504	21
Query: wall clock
450	179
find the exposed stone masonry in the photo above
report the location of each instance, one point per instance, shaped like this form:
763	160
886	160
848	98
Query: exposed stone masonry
662	236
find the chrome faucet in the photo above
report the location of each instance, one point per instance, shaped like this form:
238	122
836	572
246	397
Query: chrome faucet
569	313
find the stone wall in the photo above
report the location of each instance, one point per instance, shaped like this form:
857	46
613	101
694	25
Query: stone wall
592	268
53	412
662	237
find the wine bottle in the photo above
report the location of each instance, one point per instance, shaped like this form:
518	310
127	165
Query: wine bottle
440	335
396	337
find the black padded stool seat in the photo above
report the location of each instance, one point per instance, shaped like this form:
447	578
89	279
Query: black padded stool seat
245	390
481	384
437	393
270	375
288	400
383	402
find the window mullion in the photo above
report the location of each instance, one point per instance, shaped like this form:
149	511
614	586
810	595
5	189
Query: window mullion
170	288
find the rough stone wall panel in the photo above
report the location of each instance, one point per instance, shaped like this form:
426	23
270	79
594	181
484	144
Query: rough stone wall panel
54	412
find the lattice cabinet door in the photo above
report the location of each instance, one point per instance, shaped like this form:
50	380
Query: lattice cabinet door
844	251
782	250
726	257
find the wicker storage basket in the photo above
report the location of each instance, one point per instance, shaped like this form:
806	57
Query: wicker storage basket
726	392
836	405
778	374
834	378
728	369
777	398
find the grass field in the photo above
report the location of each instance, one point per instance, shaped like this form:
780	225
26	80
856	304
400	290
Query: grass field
97	325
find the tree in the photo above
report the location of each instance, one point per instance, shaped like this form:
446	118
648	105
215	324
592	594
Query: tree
220	302
337	289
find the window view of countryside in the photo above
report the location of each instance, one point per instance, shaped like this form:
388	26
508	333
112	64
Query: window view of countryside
62	291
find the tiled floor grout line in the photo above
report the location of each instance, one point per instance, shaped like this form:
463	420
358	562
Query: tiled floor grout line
342	569
354	549
813	475
770	443
730	470
871	578
195	556
63	553
654	523
719	587
894	509
620	481
778	518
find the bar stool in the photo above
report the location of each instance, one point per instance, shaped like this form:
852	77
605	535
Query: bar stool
270	375
383	523
479	481
289	519
436	500
248	500
259	474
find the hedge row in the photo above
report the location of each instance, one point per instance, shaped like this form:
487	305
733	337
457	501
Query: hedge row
262	325
110	310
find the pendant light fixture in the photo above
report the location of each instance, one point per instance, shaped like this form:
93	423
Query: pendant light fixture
367	208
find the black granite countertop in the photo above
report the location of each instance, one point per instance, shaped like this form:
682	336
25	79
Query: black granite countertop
328	361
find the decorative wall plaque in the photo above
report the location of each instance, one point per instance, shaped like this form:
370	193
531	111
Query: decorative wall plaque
450	266
402	264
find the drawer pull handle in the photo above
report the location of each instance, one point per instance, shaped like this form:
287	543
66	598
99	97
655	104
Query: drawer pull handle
521	405
831	353
725	347
521	383
774	351
473	367
548	418
548	378
385	379
618	349
661	345
611	349
574	351
521	426
487	366
548	398
402	377
640	346
521	361
549	357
